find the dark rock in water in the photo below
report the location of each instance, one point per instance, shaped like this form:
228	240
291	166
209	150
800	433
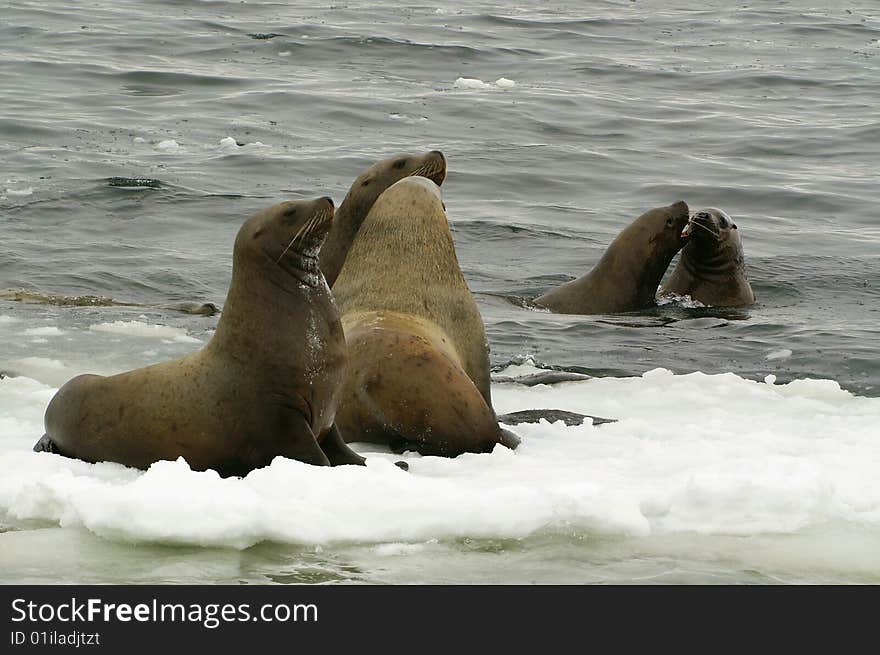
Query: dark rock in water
403	465
551	415
542	377
264	36
135	182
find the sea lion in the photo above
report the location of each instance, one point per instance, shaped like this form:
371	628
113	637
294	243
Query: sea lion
38	297
629	272
368	186
266	384
418	374
712	266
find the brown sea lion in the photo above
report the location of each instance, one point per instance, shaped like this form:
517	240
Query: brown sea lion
418	374
712	266
368	186
266	384
629	272
38	297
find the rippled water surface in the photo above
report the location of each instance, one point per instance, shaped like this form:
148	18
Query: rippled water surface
118	178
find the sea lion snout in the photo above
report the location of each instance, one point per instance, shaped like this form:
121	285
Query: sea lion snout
435	167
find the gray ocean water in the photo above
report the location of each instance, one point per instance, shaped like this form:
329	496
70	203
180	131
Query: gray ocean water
114	180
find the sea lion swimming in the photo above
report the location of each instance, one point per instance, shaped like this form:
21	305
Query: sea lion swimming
628	274
712	267
38	297
266	384
418	375
364	191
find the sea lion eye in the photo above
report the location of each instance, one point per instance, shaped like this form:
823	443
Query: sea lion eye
290	212
669	222
703	215
400	163
733	226
366	182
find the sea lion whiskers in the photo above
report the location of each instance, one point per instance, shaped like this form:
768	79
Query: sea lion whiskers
715	234
429	170
303	230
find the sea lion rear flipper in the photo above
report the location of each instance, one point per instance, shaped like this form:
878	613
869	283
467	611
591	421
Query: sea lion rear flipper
46	445
551	415
508	438
337	451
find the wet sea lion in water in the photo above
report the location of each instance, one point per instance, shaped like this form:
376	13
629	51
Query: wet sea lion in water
629	272
266	384
364	191
38	297
712	266
418	373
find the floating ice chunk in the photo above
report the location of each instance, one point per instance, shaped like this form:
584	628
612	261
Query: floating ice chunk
471	83
47	331
228	142
474	83
23	191
169	145
141	329
783	353
729	457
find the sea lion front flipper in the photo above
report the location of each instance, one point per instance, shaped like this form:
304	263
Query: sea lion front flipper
300	443
551	415
337	451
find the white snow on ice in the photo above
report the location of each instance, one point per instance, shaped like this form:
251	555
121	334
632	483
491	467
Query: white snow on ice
704	454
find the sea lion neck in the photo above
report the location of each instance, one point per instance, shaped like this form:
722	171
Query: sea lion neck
635	264
281	294
708	257
346	223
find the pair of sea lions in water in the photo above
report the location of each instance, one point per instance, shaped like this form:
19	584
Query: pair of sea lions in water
273	379
711	269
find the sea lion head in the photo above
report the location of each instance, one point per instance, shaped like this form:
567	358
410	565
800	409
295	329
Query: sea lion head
286	238
370	184
667	227
364	191
711	226
714	238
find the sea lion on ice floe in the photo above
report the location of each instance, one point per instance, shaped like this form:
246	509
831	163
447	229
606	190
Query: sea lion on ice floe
267	383
418	375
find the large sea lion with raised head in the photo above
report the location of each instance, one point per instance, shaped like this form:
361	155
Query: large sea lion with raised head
418	375
712	267
364	191
266	384
627	276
